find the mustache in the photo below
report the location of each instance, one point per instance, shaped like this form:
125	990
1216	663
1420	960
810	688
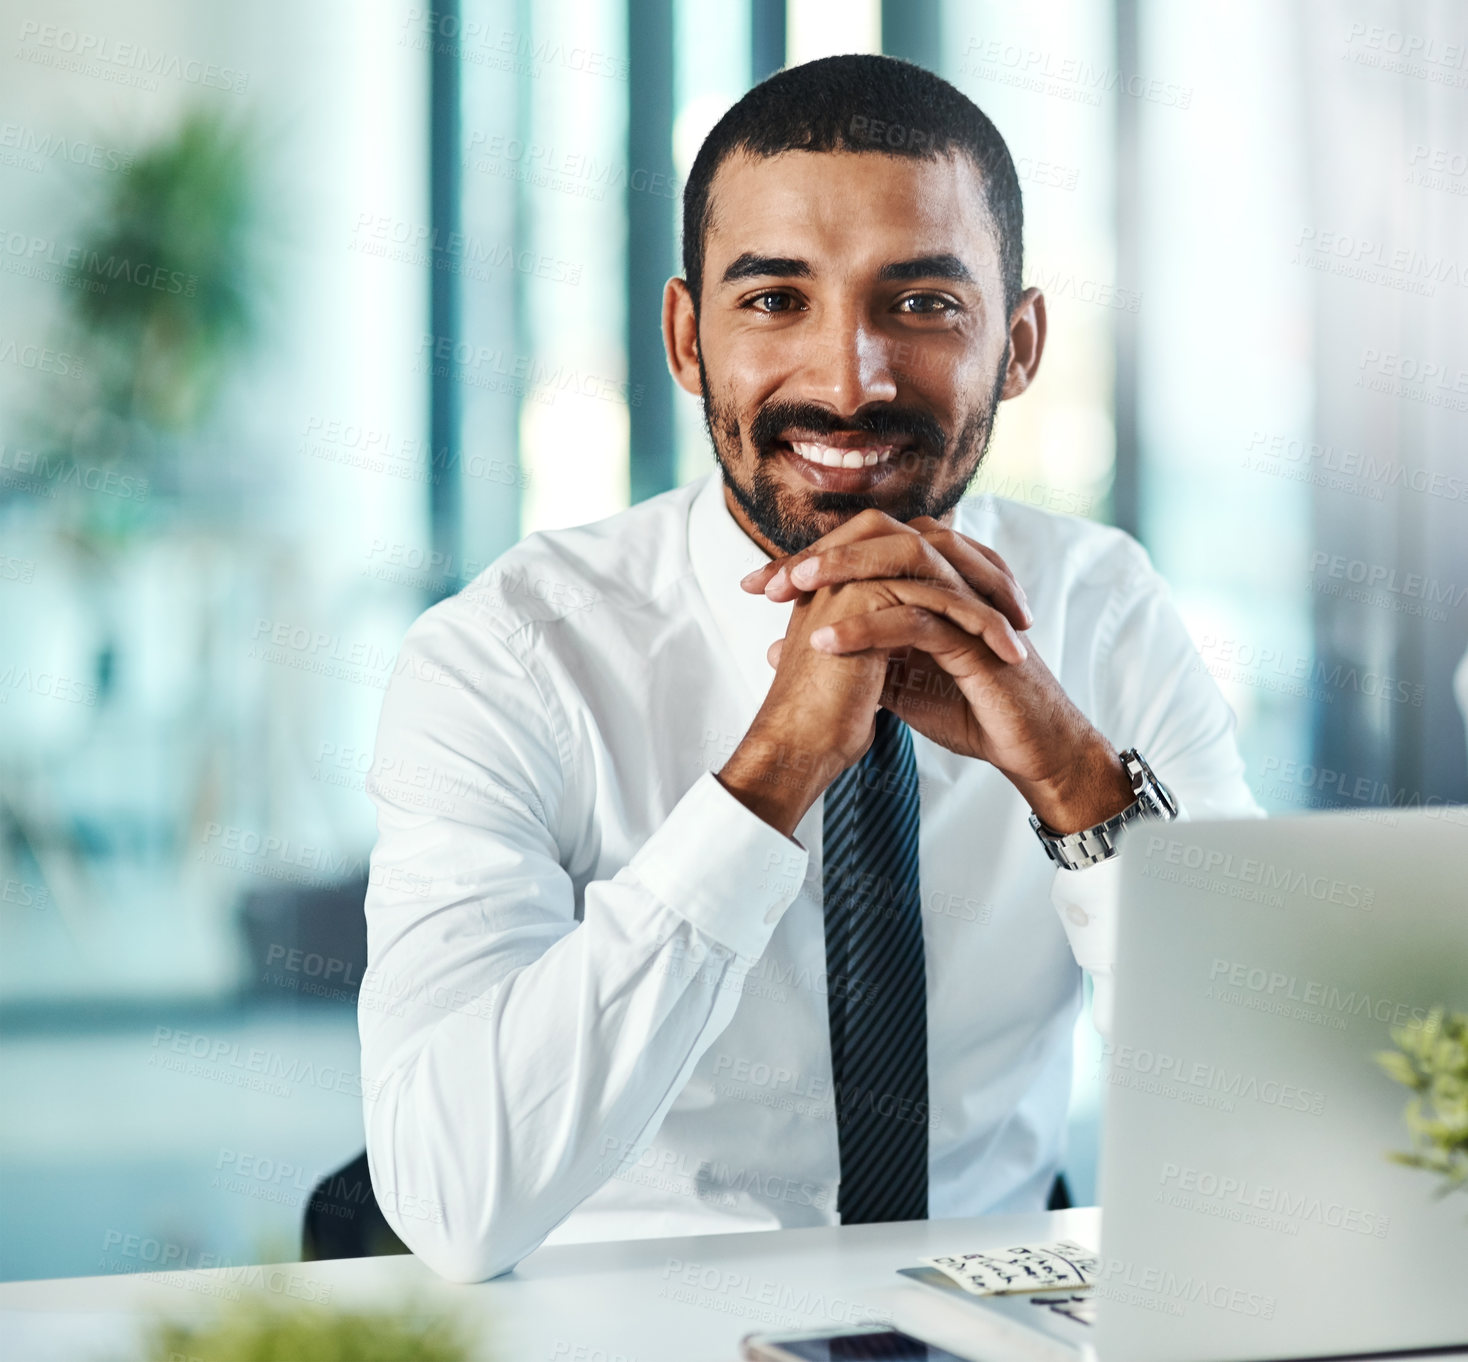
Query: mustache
886	422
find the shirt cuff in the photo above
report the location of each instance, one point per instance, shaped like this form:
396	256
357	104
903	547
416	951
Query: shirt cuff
1088	902
722	867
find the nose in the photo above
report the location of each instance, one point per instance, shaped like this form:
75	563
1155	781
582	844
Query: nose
850	364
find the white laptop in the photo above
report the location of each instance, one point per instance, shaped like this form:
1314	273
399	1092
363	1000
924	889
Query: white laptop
1251	1207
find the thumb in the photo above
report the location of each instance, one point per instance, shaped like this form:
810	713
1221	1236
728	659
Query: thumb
772	655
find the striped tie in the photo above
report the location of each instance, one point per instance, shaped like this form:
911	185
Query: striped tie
877	982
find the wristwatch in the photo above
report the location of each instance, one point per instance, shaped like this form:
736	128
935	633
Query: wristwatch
1077	850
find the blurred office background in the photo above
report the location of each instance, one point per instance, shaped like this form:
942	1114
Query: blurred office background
308	311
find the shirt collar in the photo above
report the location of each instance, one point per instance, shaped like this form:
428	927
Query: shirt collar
721	553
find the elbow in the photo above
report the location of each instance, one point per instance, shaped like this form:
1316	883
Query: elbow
446	1213
461	1258
448	1234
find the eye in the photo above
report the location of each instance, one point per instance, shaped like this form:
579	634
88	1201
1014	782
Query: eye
771	302
926	305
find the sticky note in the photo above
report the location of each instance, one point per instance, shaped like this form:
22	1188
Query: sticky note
1030	1267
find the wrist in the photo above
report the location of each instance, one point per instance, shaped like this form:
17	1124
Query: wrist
1092	788
777	780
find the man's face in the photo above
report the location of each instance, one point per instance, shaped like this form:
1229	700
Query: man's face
852	338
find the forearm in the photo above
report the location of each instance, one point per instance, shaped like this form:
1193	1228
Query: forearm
518	1107
512	1072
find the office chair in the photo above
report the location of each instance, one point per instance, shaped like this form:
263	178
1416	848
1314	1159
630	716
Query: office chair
343	1219
1059	1195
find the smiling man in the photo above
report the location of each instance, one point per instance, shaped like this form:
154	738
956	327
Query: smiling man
739	855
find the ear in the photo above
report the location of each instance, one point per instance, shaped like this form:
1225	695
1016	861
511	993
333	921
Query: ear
680	336
1026	343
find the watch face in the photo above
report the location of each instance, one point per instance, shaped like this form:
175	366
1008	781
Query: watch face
1077	850
1156	798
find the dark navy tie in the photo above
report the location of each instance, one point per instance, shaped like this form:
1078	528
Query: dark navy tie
876	987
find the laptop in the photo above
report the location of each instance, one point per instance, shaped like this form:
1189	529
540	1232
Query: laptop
1253	1204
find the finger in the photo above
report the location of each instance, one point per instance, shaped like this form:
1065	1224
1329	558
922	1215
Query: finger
991	554
982	568
915	557
906	626
772	653
975	618
754	582
864	525
924	523
773	580
905	666
891	555
940	533
971	613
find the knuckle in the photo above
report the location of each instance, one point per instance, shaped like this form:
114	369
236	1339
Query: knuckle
927	550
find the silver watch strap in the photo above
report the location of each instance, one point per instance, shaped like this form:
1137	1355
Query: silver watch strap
1089	846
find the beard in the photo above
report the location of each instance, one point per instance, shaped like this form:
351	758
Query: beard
945	465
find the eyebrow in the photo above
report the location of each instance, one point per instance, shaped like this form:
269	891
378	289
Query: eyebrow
751	266
927	267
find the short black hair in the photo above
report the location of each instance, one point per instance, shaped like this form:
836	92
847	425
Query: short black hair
859	102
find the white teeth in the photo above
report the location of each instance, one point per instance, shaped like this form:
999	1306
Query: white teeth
830	456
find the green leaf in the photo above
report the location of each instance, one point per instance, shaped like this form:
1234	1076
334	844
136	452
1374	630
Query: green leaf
261	1330
1399	1068
1432	1060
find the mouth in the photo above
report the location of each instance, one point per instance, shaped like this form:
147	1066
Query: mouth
842	462
841	456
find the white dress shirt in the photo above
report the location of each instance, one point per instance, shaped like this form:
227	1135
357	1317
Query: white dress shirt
596	1001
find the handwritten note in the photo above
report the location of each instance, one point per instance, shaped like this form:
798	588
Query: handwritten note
1030	1267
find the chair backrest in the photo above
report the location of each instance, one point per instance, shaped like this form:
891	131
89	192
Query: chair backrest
343	1219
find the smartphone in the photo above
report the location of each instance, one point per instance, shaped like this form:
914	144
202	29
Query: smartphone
860	1343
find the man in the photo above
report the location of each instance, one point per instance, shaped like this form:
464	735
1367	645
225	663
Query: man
707	895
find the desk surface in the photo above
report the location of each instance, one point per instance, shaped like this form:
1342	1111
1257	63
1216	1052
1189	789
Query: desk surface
648	1300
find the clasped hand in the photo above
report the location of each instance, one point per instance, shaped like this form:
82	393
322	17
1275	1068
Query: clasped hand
927	622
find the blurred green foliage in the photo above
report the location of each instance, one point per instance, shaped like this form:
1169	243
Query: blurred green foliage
165	282
1432	1060
260	1330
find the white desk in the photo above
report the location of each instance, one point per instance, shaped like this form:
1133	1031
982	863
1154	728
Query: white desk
650	1300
